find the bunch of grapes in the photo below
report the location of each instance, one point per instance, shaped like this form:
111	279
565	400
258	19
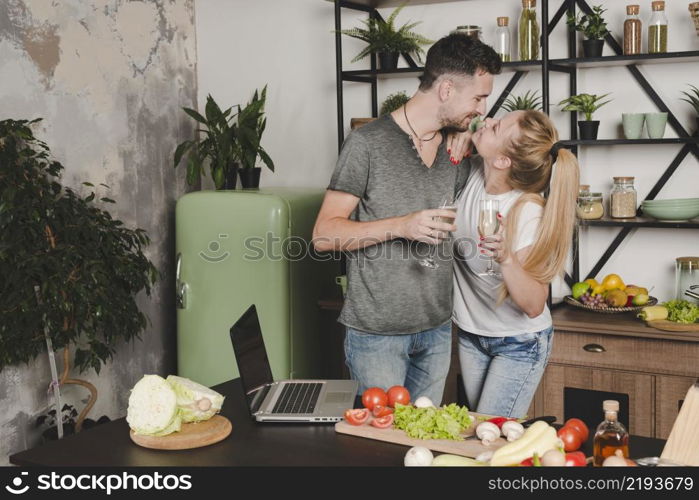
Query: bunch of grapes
596	301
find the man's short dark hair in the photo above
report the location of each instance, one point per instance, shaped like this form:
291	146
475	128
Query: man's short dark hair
461	55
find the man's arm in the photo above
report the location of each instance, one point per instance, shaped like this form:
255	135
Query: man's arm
334	230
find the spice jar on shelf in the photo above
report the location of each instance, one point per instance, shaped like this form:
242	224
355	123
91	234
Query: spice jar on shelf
528	32
632	31
657	29
622	198
502	39
470	30
590	206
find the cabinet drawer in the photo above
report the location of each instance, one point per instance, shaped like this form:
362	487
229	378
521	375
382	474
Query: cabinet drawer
626	353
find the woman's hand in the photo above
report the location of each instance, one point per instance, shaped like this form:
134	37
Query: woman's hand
459	146
494	246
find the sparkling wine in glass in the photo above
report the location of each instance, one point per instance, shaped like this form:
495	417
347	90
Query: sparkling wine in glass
488	225
447	203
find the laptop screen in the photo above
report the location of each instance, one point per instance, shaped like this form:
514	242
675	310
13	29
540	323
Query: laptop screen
250	352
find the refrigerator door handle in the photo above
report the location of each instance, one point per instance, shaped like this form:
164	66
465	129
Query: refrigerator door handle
180	286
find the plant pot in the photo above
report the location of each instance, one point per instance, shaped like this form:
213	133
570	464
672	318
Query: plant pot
588	129
592	48
388	60
51	434
231	178
250	177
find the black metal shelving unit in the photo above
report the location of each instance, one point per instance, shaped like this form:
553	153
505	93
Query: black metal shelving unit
570	65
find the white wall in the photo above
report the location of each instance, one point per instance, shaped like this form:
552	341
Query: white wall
289	45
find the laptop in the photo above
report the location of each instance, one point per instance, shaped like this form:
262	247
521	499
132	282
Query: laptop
284	400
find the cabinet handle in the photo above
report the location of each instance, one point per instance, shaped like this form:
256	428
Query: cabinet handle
594	348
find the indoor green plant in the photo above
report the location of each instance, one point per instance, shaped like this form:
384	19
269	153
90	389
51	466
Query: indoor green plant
594	27
70	272
251	125
386	41
693	99
393	102
587	104
216	144
527	101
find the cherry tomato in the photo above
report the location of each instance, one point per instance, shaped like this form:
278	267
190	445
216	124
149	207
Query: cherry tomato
381	411
576	459
578	425
383	422
374	396
398	394
356	416
571	438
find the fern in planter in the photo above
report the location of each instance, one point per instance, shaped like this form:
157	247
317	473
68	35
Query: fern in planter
70	272
530	100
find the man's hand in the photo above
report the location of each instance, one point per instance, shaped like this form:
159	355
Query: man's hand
422	226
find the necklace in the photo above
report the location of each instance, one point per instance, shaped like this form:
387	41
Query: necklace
414	136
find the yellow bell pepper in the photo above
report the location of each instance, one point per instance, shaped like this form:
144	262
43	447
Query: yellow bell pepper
539	438
651	313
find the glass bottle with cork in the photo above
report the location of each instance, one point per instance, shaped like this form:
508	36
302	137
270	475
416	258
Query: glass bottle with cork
657	29
632	31
502	39
622	198
611	435
528	32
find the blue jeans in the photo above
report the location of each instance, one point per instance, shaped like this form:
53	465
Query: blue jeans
501	374
418	361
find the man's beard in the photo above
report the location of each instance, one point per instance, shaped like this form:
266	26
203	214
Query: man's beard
451	125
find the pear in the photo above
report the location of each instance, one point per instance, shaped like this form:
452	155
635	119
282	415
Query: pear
640	299
616	298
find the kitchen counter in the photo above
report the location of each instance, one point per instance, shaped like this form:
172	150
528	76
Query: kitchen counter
250	444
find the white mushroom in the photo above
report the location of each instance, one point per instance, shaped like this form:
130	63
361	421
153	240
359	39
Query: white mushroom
487	432
485	456
512	430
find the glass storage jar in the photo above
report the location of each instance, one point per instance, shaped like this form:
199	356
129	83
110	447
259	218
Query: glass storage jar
502	39
590	206
686	276
657	29
470	30
622	198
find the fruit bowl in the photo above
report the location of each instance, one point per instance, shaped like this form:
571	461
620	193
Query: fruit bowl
609	310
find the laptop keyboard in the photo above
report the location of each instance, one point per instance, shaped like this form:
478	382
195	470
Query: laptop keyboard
298	397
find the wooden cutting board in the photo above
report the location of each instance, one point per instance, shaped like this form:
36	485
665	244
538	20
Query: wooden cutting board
469	447
682	446
673	326
194	435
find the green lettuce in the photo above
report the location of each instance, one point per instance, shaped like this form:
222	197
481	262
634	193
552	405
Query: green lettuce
447	422
153	408
682	311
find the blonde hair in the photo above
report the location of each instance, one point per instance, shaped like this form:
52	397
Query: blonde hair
532	172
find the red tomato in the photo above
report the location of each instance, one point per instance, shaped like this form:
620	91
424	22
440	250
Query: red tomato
381	411
356	416
571	438
383	422
374	396
580	426
576	459
398	394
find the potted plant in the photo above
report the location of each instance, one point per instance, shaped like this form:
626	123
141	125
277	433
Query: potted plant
587	104
70	272
530	100
393	102
594	27
693	99
251	125
216	144
386	41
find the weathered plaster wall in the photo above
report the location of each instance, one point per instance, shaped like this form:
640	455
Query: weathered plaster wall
109	78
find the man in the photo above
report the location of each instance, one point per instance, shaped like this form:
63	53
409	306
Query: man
381	207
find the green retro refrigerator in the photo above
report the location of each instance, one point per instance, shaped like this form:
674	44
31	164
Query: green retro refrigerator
237	248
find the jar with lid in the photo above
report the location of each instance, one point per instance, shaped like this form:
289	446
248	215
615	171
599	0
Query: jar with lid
632	30
657	29
470	30
590	206
686	276
502	39
622	198
528	32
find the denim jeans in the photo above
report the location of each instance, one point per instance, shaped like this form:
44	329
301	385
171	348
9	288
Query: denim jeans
501	374
418	361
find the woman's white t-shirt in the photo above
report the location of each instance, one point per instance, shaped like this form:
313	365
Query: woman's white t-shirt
475	296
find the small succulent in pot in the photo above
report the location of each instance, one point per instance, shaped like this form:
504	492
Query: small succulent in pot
530	100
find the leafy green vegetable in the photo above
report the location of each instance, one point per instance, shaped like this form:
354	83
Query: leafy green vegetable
682	311
447	422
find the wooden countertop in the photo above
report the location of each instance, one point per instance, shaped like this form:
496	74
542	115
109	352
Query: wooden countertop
569	319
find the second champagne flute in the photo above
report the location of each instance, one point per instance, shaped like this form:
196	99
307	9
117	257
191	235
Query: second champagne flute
488	225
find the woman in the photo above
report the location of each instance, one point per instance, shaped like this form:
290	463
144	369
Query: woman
504	325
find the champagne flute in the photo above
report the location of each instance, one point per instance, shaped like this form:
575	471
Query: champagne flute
447	203
488	225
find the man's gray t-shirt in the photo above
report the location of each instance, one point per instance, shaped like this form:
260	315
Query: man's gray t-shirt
388	291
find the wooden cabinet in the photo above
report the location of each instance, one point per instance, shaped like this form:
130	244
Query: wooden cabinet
669	394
